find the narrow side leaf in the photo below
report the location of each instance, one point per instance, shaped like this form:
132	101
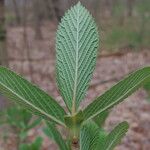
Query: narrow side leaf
101	118
76	48
89	136
102	138
29	96
53	133
115	136
117	93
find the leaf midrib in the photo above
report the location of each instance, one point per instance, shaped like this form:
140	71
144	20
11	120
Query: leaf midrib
76	67
36	108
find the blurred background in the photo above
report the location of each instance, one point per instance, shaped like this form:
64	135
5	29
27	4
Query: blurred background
27	46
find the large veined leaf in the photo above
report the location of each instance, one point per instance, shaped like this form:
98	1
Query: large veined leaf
117	93
29	96
115	136
76	48
89	136
53	133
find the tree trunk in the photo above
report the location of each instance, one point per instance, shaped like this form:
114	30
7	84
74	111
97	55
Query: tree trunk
130	4
26	44
38	16
3	50
59	8
50	10
16	10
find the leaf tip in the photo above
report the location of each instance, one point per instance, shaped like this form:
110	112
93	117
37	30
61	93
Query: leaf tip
126	124
79	3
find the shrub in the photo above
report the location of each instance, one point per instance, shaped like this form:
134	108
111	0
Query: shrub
77	43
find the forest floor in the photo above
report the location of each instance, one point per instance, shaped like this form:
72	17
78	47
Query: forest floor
109	69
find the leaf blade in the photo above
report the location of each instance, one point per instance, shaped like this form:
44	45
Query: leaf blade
53	133
117	93
100	119
77	43
89	136
115	136
31	97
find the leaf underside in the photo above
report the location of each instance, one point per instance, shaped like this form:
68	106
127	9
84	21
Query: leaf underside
117	93
76	48
115	136
29	96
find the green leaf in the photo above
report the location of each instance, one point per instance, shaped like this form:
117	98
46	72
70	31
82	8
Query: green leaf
36	145
76	48
102	138
34	123
29	96
117	93
24	147
89	136
115	136
53	133
147	86
23	135
147	89
101	118
16	117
